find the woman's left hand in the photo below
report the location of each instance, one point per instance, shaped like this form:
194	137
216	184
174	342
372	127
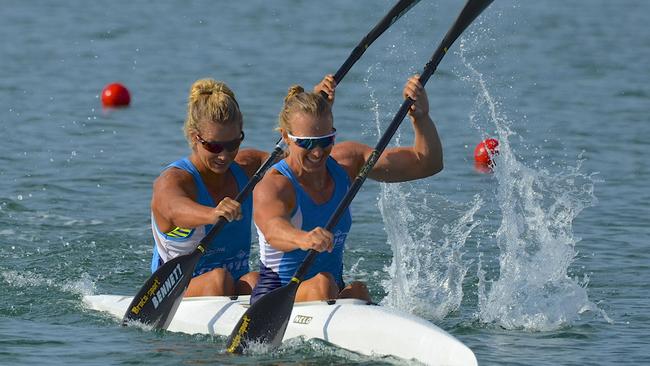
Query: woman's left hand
327	85
414	90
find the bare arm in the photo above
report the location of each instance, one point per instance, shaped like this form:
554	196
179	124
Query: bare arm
173	203
400	164
251	159
274	199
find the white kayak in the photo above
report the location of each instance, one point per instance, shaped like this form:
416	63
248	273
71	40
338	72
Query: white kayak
348	323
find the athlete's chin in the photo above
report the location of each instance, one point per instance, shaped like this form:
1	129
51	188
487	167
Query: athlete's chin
219	168
313	166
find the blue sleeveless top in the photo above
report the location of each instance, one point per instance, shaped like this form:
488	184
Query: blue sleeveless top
230	249
277	267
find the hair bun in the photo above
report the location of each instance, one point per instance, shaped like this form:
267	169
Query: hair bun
211	101
209	87
293	91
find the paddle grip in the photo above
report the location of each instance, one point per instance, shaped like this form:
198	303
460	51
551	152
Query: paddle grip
401	8
279	149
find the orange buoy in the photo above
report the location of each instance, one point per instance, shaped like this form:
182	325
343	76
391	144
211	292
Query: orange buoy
485	151
115	95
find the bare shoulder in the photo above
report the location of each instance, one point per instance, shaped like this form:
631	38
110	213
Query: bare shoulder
274	183
250	160
274	188
173	182
173	177
351	155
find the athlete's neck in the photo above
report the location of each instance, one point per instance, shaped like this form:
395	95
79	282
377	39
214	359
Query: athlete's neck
214	181
316	180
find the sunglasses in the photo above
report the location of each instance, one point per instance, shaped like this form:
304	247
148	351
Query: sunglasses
216	147
313	142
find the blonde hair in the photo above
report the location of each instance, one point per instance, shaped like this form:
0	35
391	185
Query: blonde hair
212	101
299	101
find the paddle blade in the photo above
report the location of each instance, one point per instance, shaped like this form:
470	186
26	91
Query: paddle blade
265	321
156	302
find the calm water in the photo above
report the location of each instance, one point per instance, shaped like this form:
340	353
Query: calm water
544	262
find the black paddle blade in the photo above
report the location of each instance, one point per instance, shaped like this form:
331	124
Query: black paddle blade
265	321
156	302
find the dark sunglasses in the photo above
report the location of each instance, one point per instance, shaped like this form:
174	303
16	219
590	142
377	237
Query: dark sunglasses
313	142
216	147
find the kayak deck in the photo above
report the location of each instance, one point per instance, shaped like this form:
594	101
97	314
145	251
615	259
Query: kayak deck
348	323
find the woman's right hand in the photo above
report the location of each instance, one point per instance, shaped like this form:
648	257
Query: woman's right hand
229	209
317	239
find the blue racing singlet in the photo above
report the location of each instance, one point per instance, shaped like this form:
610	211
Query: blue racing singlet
230	249
277	267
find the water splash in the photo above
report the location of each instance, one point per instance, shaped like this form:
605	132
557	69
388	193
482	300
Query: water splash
427	235
137	324
533	289
81	286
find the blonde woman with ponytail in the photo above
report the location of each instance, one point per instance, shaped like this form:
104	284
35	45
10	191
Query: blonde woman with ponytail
295	199
192	193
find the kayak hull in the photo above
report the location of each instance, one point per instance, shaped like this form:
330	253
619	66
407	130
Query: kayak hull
348	323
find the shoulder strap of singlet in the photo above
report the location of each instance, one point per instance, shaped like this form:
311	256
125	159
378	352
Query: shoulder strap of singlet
204	196
339	174
284	169
240	175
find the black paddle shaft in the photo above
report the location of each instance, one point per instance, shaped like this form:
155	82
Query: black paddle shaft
471	10
266	320
156	302
391	17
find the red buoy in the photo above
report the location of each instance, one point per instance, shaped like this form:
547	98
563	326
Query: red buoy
115	95
483	168
485	151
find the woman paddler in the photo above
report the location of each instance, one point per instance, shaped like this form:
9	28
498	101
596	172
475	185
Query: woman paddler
190	195
295	199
